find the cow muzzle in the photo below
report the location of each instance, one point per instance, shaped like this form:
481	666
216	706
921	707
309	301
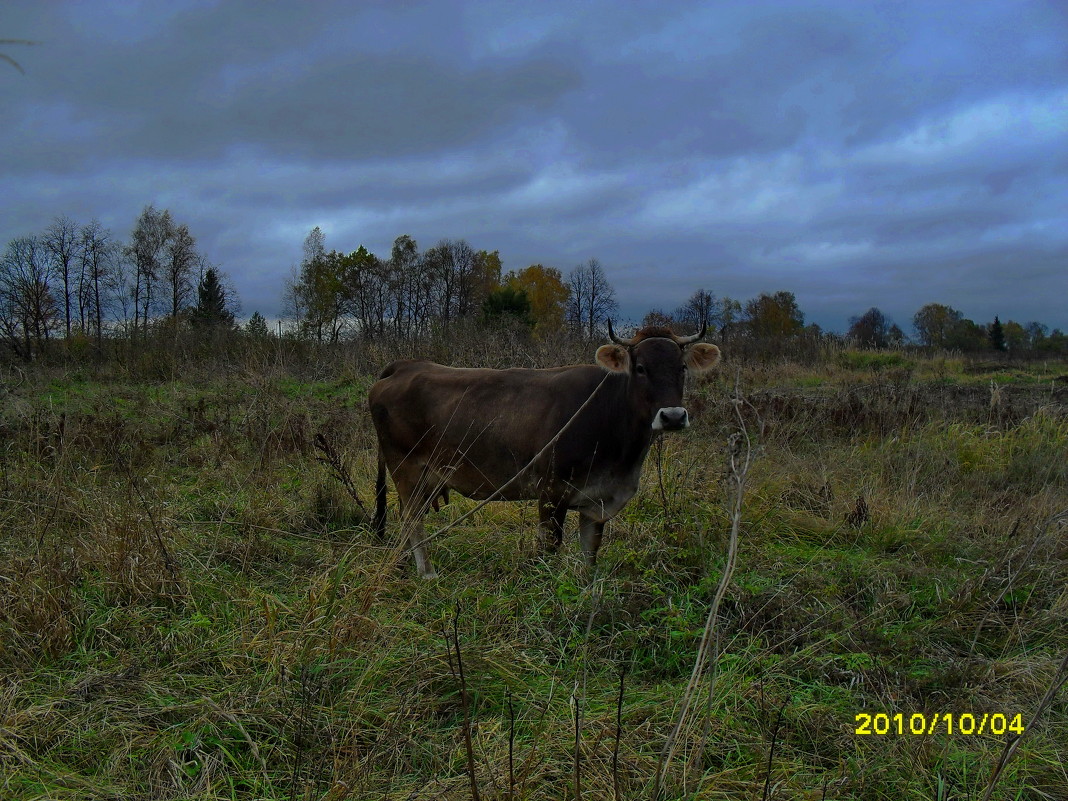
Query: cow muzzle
671	418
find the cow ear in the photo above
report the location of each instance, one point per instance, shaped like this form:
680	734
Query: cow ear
702	357
613	358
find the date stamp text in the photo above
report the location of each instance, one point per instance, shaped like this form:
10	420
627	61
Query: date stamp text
918	723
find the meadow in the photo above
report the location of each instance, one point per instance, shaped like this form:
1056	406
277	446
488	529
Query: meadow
193	606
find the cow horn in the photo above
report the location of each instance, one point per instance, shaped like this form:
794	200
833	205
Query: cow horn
694	338
612	336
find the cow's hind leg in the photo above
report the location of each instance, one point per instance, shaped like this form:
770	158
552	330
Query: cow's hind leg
551	525
590	533
417	540
415	536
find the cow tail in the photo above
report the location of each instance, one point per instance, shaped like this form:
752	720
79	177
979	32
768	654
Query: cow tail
380	497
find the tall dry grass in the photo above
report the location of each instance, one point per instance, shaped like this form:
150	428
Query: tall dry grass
192	604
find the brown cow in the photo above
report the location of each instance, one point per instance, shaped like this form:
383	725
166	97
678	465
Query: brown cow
484	432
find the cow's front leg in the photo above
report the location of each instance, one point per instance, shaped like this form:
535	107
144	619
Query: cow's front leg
590	532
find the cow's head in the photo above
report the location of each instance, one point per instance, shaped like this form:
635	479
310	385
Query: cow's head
657	362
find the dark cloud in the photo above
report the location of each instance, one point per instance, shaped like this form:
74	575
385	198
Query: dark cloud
858	154
195	89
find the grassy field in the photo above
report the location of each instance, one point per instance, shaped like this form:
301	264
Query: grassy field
191	605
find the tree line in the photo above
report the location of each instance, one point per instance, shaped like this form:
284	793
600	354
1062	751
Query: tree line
777	316
83	283
413	292
942	326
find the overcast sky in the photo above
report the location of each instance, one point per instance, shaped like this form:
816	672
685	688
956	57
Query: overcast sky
855	153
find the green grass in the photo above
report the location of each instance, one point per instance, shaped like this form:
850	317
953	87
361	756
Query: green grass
873	360
192	607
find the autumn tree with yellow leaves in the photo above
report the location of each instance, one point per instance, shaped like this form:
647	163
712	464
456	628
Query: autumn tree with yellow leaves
547	293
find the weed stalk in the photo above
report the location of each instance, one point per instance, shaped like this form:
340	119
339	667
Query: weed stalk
619	729
1059	678
458	674
740	460
338	468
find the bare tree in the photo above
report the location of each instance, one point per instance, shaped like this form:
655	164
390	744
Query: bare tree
592	299
119	281
314	245
381	304
437	262
297	297
465	295
28	309
449	273
577	282
60	241
700	310
1037	333
98	253
179	267
405	268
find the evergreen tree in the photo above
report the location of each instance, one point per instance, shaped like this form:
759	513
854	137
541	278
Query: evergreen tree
211	310
256	327
997	335
507	301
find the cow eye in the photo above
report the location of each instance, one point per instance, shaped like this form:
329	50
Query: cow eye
639	370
